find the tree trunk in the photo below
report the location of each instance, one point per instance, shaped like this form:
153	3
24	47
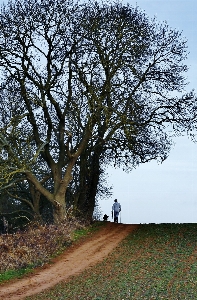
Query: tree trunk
59	210
35	194
57	198
81	196
88	187
93	185
59	202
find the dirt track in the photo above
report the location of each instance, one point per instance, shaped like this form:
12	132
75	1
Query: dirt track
72	262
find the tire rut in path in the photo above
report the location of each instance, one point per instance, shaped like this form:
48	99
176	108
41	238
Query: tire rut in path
73	261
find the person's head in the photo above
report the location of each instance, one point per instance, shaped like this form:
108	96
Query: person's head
115	200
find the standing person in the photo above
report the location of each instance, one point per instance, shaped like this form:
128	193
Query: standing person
116	208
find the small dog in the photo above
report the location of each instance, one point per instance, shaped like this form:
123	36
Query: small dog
105	217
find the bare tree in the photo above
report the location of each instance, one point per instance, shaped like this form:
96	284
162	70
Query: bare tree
91	77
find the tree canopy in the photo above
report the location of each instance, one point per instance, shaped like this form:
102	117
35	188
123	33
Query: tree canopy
85	85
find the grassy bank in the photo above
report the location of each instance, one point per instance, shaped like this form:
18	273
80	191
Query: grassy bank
156	262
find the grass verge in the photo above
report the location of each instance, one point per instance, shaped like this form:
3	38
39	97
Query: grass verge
80	233
13	274
156	262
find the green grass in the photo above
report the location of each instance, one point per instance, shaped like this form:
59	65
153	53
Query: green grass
13	274
156	262
83	232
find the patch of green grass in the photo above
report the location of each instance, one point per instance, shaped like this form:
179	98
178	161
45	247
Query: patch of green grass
83	232
79	233
156	262
13	274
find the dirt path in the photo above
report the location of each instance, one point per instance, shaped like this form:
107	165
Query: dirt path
72	262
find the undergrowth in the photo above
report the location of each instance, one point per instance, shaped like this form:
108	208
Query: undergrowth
23	251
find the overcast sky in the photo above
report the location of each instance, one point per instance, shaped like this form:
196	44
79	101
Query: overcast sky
164	193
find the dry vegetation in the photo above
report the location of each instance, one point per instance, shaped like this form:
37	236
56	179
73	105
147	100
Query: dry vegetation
36	245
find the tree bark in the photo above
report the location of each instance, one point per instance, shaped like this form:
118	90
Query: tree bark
35	194
89	174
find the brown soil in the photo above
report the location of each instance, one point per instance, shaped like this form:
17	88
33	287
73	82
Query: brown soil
73	261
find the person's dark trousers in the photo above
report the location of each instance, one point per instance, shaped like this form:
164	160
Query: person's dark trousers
115	217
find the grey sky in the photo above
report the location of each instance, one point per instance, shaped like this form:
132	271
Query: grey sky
155	193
